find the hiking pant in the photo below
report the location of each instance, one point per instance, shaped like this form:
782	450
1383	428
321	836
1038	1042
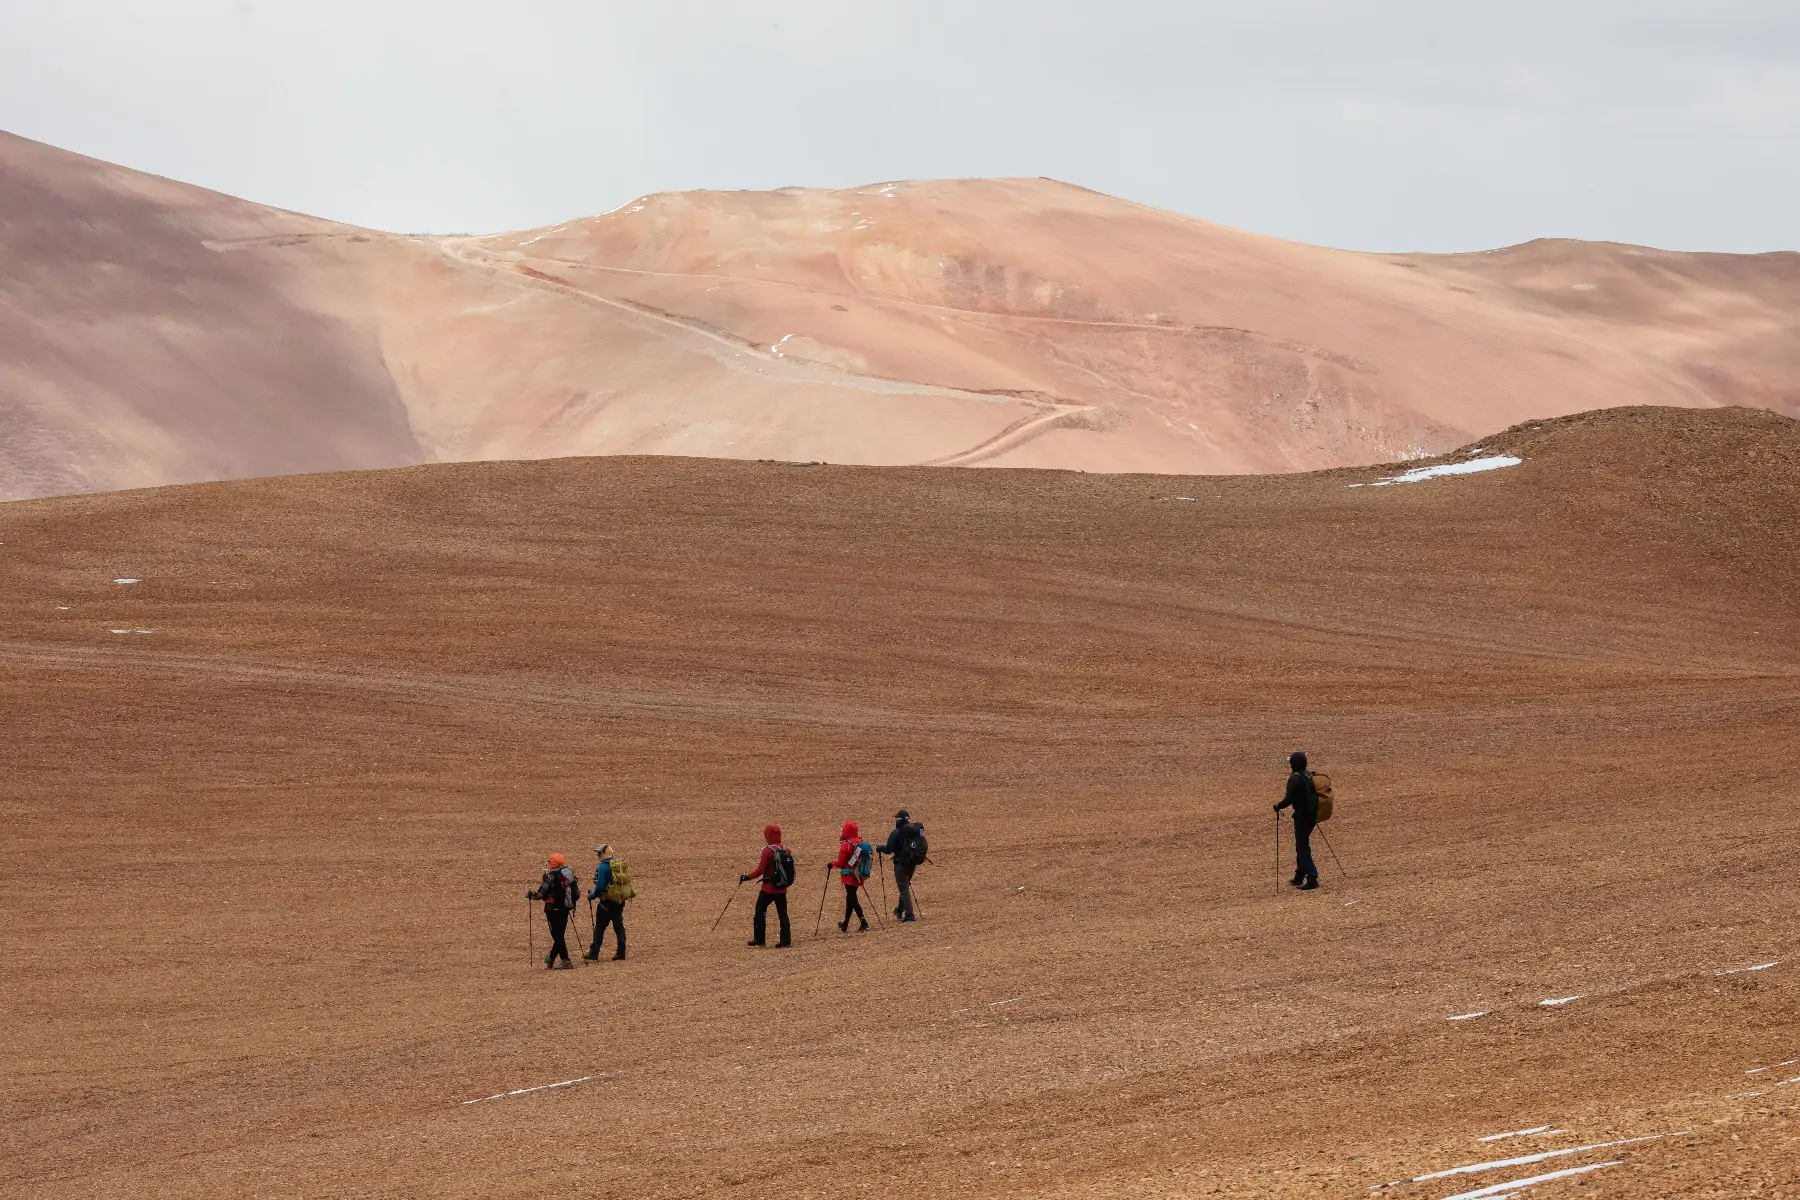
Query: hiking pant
759	926
607	913
853	903
559	922
1305	870
903	881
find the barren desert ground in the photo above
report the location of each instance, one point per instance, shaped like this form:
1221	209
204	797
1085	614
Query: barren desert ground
271	811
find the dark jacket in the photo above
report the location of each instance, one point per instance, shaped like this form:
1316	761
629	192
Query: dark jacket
898	836
1302	798
558	889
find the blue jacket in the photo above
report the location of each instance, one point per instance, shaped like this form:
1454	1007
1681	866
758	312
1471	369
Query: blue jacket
602	878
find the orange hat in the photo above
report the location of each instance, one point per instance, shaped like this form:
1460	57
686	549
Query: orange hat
557	860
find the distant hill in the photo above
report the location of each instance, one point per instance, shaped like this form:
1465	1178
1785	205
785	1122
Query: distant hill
155	333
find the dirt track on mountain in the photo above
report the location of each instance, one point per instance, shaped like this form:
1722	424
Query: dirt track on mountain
263	868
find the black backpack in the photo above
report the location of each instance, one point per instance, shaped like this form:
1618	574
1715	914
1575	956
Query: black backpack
913	847
781	868
558	888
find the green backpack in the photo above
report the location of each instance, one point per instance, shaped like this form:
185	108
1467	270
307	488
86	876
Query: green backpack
619	889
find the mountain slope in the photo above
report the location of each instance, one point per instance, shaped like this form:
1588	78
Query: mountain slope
151	333
264	862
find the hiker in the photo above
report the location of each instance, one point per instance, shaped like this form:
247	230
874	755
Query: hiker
908	846
557	890
1304	801
612	888
852	864
776	870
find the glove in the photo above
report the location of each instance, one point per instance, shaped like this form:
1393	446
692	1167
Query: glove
743	879
1278	808
531	895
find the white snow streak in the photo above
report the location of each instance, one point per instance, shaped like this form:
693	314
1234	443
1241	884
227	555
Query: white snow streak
1500	1137
128	581
1558	1002
1470	1016
1467	467
1526	1160
1742	970
542	1087
1497	1190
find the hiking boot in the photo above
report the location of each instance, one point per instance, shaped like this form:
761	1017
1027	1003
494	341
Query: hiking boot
863	928
753	942
564	965
844	925
619	956
899	912
591	956
783	945
1309	885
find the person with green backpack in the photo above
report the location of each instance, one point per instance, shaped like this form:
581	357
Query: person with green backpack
855	859
612	888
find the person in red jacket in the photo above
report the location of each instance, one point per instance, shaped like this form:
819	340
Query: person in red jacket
776	870
849	853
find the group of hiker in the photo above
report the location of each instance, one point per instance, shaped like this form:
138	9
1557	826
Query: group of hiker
855	862
1308	796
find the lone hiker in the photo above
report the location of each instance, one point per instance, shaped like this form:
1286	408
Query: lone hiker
612	888
855	858
908	846
557	890
776	870
1304	801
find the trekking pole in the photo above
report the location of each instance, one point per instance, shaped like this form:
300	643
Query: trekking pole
530	935
727	908
881	865
593	928
1334	857
1278	854
820	919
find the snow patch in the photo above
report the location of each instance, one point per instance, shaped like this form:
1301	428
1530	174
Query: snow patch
1532	1132
776	348
1558	1002
128	631
1470	1016
1470	466
542	1087
128	581
1499	1191
1742	970
1525	1160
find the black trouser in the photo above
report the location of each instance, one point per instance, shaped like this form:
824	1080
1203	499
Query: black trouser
608	913
1305	869
559	921
853	904
903	874
759	926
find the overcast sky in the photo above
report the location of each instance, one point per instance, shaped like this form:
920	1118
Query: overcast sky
1374	124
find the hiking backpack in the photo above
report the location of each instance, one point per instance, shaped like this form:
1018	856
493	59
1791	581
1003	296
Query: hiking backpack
781	868
618	886
559	888
913	847
862	860
1321	785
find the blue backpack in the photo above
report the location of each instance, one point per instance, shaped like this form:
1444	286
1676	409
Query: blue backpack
862	860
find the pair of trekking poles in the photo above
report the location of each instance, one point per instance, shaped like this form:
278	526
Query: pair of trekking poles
880	869
1320	829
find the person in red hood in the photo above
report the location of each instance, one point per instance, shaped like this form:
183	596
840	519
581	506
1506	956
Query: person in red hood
852	860
776	870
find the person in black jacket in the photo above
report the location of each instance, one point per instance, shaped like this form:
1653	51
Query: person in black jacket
903	843
1304	801
557	890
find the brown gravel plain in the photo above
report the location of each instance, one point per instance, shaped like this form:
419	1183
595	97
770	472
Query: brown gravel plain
263	865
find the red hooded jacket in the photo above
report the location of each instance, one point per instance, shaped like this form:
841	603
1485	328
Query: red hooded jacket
772	840
848	837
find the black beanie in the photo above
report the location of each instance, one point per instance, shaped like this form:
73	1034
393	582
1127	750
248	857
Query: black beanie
1297	760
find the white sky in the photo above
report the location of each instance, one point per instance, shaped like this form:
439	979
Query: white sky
1375	124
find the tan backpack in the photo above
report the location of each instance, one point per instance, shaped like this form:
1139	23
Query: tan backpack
1322	788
